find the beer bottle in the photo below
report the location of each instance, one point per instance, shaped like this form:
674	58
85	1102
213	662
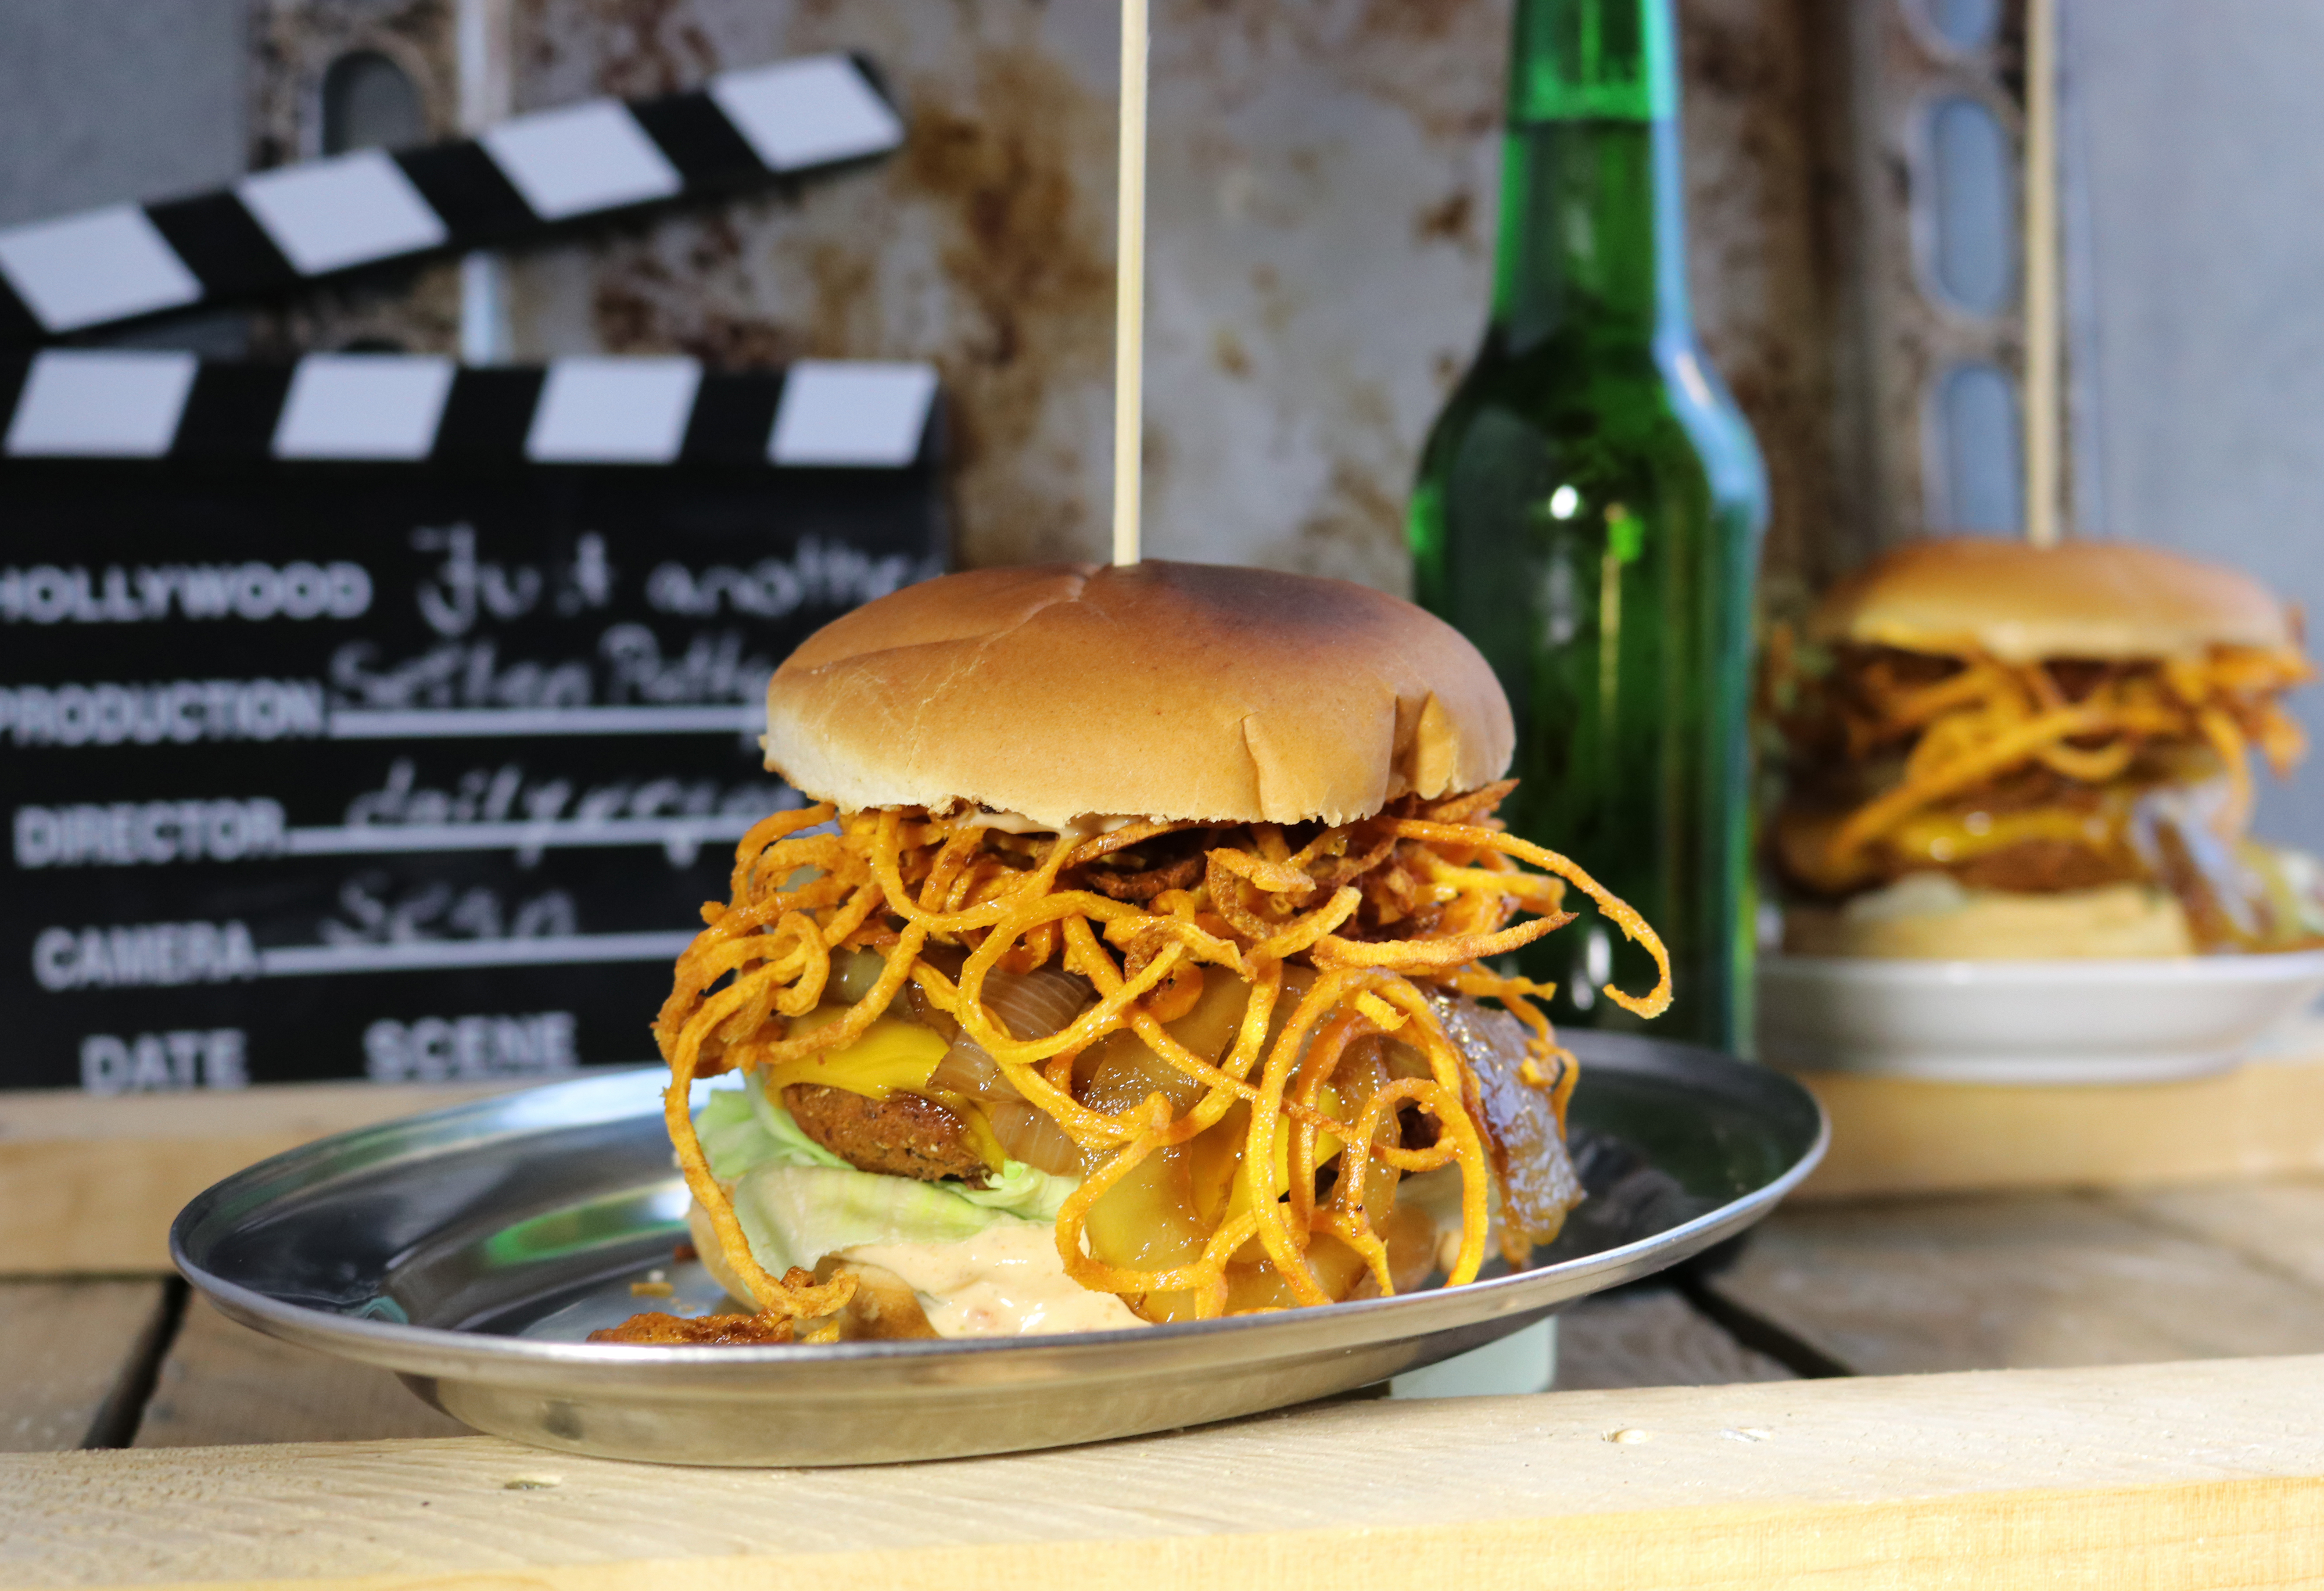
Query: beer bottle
1589	511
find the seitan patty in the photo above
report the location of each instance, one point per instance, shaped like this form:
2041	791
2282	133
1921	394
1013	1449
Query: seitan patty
902	1135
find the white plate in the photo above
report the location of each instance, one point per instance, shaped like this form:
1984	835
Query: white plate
2028	1021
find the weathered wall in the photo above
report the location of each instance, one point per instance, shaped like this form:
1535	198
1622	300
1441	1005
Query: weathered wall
1323	186
103	100
1323	202
89	115
293	44
1320	183
2199	347
1323	206
1765	140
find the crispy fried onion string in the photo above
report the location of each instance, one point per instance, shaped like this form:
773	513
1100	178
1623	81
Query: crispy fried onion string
1375	914
1990	719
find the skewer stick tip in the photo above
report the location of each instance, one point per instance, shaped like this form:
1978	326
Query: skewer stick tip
2044	333
1130	309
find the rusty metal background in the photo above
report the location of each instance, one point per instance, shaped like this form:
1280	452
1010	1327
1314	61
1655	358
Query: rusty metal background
293	45
1323	186
1897	336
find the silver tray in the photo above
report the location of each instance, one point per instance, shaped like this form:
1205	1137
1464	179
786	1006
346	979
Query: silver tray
471	1249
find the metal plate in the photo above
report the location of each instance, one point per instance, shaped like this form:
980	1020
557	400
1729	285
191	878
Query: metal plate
471	1249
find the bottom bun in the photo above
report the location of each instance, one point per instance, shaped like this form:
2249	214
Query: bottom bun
1931	917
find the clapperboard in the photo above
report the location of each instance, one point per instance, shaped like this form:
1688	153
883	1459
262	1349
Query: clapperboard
378	716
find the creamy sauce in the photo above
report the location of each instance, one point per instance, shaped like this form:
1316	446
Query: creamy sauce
1086	827
1005	1282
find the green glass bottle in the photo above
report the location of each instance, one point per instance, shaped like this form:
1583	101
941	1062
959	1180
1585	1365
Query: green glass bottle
1589	510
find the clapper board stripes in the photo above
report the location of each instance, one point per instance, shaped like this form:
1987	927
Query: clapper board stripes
394	408
276	230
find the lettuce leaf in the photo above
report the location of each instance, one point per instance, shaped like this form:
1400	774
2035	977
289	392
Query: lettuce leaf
796	1215
798	1201
733	1139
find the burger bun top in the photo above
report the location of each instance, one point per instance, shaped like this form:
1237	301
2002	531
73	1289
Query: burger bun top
2022	603
1186	692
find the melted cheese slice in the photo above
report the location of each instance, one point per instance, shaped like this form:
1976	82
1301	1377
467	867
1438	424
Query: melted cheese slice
1943	838
893	1056
1327	1144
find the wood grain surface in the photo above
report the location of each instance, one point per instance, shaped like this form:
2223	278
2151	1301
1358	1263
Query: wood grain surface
1900	1135
1651	1337
223	1384
2039	1280
2186	1475
90	1185
2278	1225
70	1353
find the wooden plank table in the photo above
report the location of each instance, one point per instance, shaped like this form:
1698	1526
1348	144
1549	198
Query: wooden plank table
90	1185
2092	1387
2201	1474
76	1360
2025	1282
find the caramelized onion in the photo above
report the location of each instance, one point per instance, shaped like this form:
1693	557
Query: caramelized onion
968	1071
1031	1005
1036	1004
1028	1133
853	974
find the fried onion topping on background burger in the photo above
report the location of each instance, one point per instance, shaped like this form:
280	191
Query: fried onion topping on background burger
2003	752
1132	967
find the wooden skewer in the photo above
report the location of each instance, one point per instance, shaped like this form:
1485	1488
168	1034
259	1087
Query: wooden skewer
1129	307
2044	397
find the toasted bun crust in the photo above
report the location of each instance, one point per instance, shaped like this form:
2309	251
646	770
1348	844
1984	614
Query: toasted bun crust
2024	604
1172	690
1919	920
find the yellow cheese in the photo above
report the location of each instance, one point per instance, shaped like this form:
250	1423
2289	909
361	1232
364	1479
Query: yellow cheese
892	1056
1940	837
1327	1145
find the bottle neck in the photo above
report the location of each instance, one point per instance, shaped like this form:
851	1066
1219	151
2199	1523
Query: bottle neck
1593	232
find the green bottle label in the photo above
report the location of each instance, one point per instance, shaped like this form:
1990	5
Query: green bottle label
1593	60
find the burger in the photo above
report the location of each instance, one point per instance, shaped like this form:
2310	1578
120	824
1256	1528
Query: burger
1997	751
1133	964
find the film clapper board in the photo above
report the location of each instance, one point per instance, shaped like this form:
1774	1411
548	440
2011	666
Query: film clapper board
378	716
